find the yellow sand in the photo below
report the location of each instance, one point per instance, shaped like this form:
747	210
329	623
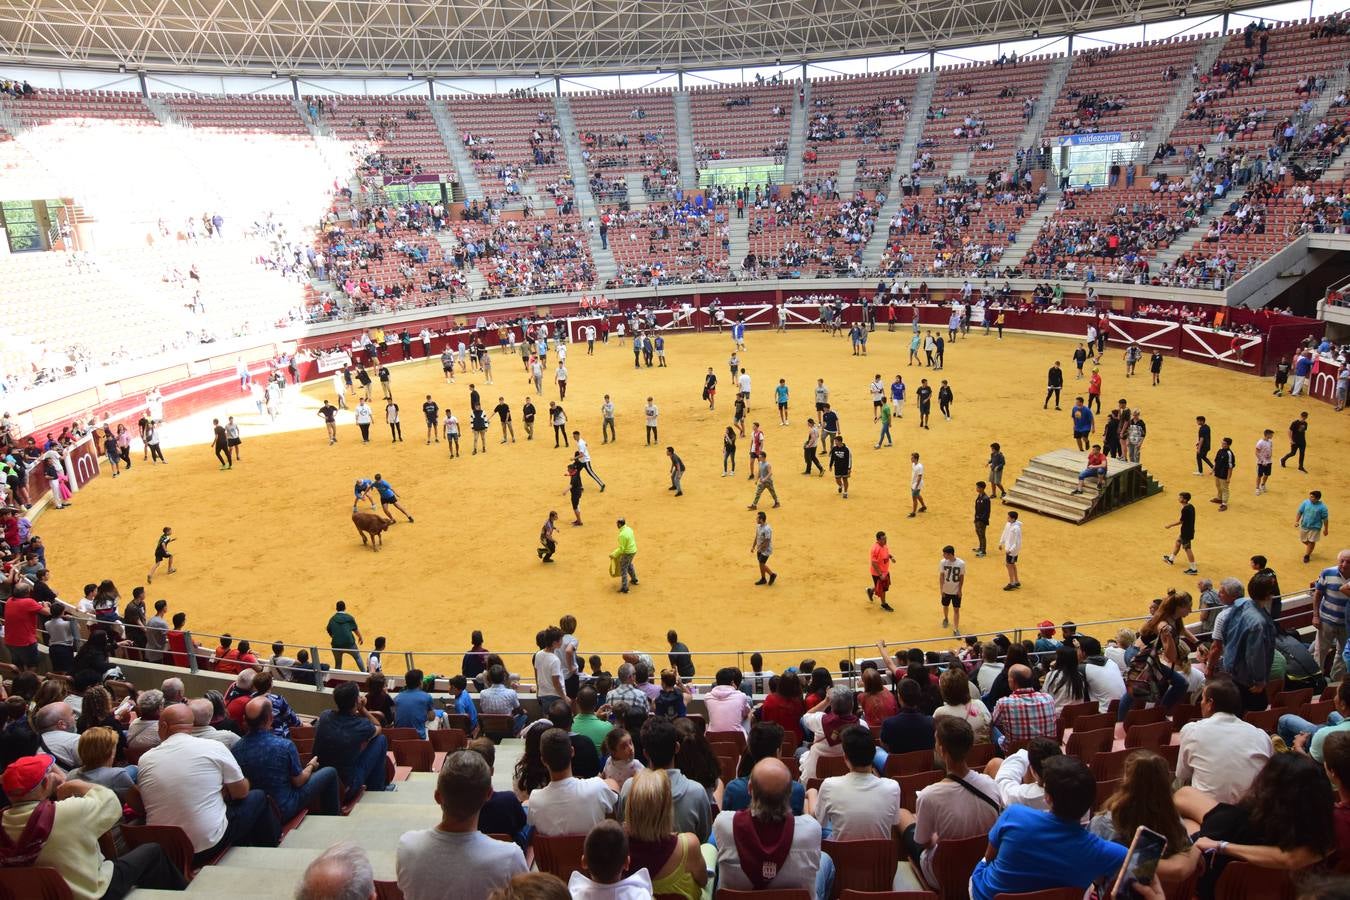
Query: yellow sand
264	550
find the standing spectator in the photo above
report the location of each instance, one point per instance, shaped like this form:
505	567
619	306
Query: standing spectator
1024	714
1010	542
1034	850
1298	438
752	853
1329	611
1224	463
548	670
859	805
1221	754
1186	522
1248	637
1312	521
21	625
455	859
344	636
681	660
349	738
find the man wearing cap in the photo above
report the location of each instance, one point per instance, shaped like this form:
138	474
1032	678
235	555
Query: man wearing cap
185	781
56	823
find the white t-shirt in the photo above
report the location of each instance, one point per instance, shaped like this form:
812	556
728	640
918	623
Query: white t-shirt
744	383
181	781
916	477
878	391
858	806
363	415
547	670
651	412
1105	683
571	806
948	810
435	864
798	870
637	886
985	675
974	713
953	572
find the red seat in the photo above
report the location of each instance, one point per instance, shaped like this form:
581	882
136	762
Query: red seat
1266	719
1069	714
910	785
388	890
888	895
1244	881
33	883
447	740
559	854
792	894
911	763
953	861
831	767
1153	736
417	755
735	738
1087	744
1095	722
1060	893
1148	716
866	865
173	839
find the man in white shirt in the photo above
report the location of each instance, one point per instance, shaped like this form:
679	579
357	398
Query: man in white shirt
857	806
743	387
184	782
989	669
1104	679
548	673
1221	754
961	805
916	486
454	859
567	805
1010	542
1010	774
746	860
878	391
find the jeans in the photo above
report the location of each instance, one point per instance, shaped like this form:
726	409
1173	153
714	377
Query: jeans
369	771
885	434
355	655
250	824
1330	636
1291	726
146	866
323	784
1175	692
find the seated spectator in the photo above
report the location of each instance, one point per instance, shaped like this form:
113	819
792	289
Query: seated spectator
98	749
783	705
606	857
532	886
1145	798
1010	773
143	733
1336	761
1067	683
503	813
585	722
567	805
621	761
990	667
1305	737
271	763
202	712
765	741
80	812
673	861
1286	820
673	699
661	744
283	717
826	721
238	694
1221	755
1023	714
585	758
378	700
307	671
342	871
497	699
961	805
765	847
859	805
455	859
280	665
909	729
1030	850
626	691
727	707
1105	680
530	772
54	725
876	702
349	739
758	679
173	691
954	685
184	782
413	705
459	690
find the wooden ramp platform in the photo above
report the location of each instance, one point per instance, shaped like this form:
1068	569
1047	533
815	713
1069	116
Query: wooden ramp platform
1046	486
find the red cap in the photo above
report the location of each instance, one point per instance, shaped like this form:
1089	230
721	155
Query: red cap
25	774
1047	627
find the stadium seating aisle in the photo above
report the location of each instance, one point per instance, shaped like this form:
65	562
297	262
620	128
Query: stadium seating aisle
979	112
399	128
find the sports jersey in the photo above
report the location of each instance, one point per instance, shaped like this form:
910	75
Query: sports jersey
953	572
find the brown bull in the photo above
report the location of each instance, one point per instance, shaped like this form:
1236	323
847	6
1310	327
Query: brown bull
371	523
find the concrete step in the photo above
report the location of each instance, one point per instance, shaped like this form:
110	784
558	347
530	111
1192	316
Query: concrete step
454	144
1205	54
1045	103
684	142
792	161
904	158
294	860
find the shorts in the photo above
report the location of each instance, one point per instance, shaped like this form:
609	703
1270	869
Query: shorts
1263	470
447	366
1091	472
915	492
386	500
1185	541
840	473
161	554
925	407
1309	535
782	406
820	407
234	442
881	583
1010	558
762	557
876	404
995	476
951	600
24	656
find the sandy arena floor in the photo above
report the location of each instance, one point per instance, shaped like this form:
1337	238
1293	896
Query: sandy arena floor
265	549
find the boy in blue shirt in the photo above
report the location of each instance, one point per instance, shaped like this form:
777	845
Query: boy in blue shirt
1030	850
459	689
780	395
412	705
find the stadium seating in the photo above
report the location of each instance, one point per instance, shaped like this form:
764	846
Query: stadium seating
984	102
741	122
400	128
237	112
857	118
615	141
501	129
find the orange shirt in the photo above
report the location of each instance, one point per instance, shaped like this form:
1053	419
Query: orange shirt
881	559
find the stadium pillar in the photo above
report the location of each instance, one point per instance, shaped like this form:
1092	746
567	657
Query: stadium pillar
145	91
932	60
431	87
1070	45
295	87
557	86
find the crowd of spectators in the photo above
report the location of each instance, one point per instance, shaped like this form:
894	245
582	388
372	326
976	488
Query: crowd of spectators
670	243
527	256
822	236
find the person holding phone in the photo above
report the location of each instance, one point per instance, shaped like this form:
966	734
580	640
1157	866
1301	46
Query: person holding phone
1143	803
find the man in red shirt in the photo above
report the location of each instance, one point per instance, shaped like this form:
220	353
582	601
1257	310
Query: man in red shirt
1095	390
881	572
21	624
1096	468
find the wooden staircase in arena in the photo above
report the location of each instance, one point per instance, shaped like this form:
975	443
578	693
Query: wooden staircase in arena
1047	484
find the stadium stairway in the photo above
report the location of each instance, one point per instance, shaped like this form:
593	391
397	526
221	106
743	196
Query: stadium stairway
445	124
738	241
1191	238
904	158
792	161
684	141
637	196
847	177
1045	105
161	111
1204	58
449	242
605	266
1047	484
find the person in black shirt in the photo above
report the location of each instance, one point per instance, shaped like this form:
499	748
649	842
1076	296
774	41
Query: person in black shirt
478	423
221	445
1224	464
504	416
1186	535
1281	376
383	374
680	658
841	464
432	412
1054	383
945	399
1155	366
363	378
1298	441
503	813
1079	358
982	505
925	397
329	414
1202	445
575	489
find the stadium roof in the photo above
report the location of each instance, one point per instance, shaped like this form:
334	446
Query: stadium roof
525	37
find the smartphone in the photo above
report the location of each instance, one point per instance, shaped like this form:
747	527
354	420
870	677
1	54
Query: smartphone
1141	862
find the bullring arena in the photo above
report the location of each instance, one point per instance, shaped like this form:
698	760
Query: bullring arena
263	639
